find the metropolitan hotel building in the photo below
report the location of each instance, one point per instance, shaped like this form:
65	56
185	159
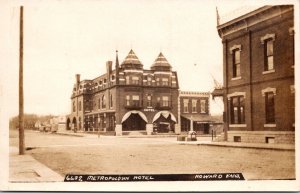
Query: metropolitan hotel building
258	71
127	99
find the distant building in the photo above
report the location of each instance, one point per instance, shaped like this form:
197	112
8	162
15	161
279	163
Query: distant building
258	64
195	113
127	99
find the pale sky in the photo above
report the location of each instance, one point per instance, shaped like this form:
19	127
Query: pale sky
65	37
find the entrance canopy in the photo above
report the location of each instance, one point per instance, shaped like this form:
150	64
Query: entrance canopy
165	114
142	115
199	118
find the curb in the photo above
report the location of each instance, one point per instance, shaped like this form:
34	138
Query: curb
235	146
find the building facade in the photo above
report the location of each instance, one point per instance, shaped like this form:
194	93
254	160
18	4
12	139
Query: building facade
195	113
127	99
258	70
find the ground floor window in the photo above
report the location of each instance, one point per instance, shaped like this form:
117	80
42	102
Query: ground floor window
270	107
237	110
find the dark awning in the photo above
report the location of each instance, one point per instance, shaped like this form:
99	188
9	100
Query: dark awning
203	118
217	92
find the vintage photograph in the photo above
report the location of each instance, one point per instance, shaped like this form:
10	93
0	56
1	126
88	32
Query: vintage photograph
146	94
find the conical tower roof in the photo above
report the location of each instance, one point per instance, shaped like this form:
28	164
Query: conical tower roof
161	62
131	58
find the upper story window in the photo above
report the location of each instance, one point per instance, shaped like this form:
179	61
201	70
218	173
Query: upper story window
127	100
135	80
74	106
268	41
236	60
203	106
79	106
194	106
99	103
111	101
269	59
165	101
165	81
149	80
103	102
104	81
149	101
135	100
185	105
127	80
157	81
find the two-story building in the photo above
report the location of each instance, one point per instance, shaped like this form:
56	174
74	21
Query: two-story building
258	71
195	114
127	99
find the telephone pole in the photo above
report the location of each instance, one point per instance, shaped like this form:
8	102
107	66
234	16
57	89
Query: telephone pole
21	94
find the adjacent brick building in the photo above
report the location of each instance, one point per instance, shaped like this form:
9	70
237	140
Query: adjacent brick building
127	99
195	114
258	66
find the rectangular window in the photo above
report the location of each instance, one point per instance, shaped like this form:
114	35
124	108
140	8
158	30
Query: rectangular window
149	81
136	100
165	81
99	103
269	63
135	80
236	63
111	101
237	110
127	80
127	100
149	101
185	105
74	107
157	81
79	106
194	106
270	107
165	101
203	106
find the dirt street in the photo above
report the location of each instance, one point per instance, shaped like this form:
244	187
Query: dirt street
113	155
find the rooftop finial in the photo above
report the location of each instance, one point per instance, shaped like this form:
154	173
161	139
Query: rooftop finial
218	16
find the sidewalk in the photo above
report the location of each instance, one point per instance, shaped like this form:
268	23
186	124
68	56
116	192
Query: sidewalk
269	146
202	140
24	168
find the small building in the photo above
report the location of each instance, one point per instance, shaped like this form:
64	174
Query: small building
195	114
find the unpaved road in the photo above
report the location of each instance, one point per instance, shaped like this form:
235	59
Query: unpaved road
113	155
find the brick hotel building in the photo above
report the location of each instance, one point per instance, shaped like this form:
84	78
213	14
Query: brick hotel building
258	71
127	99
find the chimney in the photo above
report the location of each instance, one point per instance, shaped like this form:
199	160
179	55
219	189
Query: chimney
77	78
108	66
108	69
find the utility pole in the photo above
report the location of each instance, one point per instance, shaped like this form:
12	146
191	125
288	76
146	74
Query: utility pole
21	94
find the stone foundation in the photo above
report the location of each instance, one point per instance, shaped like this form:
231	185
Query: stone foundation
284	137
